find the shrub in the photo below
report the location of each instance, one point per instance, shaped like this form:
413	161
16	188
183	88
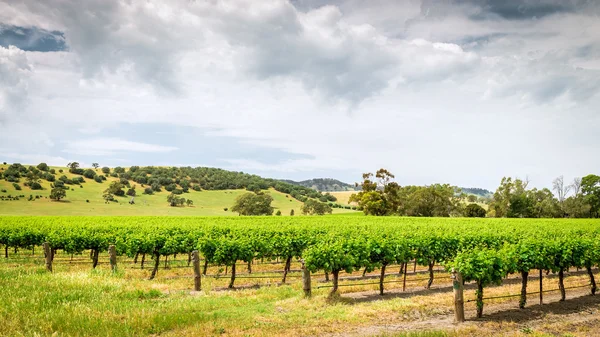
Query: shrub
292	212
4	163
89	173
170	187
17	186
177	191
98	179
148	190
3	191
53	171
278	213
196	188
42	167
60	171
35	186
50	177
225	209
105	170
474	211
103	178
156	187
131	192
86	200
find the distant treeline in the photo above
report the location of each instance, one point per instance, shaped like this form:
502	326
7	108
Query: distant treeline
382	196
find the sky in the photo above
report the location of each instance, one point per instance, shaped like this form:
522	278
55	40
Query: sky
435	91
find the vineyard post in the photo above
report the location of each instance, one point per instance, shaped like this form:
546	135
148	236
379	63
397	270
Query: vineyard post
541	289
48	254
306	280
459	303
112	252
404	281
197	277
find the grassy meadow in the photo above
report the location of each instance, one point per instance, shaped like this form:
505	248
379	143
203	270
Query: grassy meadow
206	203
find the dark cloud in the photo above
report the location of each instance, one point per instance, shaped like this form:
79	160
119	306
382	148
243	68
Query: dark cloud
508	10
31	38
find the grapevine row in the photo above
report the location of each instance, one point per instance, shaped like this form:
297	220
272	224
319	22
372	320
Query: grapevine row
482	250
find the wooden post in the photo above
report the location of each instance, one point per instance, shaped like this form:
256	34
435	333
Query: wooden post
404	281
48	254
112	252
541	289
306	280
459	303
197	277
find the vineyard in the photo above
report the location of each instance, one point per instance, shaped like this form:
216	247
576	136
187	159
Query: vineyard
216	254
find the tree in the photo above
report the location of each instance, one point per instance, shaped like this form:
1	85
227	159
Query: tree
278	213
472	198
148	190
253	204
106	170
475	211
89	173
95	166
58	193
189	202
292	212
43	167
315	207
174	200
107	196
131	191
73	166
590	187
115	188
576	186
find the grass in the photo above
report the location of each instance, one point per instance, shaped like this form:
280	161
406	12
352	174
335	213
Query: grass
206	203
78	301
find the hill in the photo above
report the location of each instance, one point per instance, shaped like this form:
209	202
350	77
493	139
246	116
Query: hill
211	190
323	184
480	192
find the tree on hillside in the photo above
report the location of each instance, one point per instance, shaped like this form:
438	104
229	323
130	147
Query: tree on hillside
472	198
174	200
58	193
115	188
89	173
95	166
253	204
315	207
106	170
43	167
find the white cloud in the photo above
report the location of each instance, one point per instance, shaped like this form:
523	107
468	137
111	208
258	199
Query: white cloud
14	72
109	146
458	94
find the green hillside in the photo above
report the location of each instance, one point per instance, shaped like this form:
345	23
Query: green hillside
86	199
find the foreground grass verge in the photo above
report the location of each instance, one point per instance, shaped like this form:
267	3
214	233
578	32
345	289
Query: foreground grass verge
78	301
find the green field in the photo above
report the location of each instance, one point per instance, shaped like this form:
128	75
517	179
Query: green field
206	203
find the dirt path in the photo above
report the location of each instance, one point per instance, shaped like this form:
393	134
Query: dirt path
579	315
